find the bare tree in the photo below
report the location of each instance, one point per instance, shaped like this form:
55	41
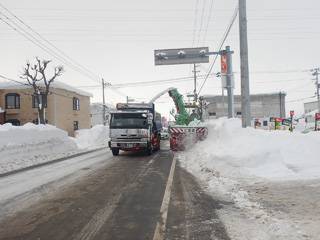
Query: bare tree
36	77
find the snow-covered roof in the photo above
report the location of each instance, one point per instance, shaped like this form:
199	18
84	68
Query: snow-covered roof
65	86
56	84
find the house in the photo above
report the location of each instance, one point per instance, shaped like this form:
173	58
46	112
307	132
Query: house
67	108
96	113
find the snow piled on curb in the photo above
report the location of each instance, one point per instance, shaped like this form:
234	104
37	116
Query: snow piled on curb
28	145
275	155
233	158
92	138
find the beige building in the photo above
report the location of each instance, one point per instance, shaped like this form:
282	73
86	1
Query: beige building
67	108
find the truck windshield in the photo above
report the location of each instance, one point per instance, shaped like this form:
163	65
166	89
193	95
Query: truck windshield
129	120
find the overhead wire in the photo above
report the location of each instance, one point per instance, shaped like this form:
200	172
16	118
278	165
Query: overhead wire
235	13
204	5
195	24
205	35
25	84
49	42
38	43
12	80
300	99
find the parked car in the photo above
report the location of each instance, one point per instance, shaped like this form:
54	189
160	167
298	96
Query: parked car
164	133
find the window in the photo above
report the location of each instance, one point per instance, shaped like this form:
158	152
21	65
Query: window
212	114
239	113
75	125
129	120
265	123
35	102
14	122
76	104
12	100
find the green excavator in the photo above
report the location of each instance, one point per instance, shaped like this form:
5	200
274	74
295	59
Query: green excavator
188	128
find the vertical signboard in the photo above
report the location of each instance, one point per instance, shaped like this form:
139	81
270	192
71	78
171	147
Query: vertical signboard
317	127
224	72
291	117
224	64
271	123
277	123
256	121
286	124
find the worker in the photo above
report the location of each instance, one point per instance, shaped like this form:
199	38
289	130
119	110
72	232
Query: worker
193	114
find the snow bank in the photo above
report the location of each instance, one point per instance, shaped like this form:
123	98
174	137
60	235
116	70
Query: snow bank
28	145
91	138
275	155
23	146
233	158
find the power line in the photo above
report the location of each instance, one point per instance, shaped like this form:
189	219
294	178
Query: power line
12	80
205	35
300	99
195	24
41	45
30	37
204	4
49	42
235	13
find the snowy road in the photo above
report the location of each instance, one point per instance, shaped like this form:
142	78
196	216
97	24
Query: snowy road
98	196
21	190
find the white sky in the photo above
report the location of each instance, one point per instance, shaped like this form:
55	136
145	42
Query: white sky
115	40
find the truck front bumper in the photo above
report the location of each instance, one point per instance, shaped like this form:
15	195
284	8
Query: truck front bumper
129	145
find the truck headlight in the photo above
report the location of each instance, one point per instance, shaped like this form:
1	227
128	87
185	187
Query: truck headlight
143	139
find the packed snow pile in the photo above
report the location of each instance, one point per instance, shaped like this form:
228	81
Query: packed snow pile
92	138
28	145
23	146
267	154
252	168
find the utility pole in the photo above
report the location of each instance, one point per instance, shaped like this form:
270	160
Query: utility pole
229	84
195	97
316	73
103	105
244	65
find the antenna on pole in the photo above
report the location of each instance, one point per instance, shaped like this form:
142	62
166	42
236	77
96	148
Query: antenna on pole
316	73
103	104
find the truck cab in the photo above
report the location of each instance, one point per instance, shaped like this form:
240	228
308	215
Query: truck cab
133	128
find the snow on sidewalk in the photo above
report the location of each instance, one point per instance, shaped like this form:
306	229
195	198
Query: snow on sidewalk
28	145
252	168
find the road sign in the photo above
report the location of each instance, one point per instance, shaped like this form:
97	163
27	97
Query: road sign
223	63
181	56
291	113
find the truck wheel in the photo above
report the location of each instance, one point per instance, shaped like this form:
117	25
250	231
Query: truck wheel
149	151
115	152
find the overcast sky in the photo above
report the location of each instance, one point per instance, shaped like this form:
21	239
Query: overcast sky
115	40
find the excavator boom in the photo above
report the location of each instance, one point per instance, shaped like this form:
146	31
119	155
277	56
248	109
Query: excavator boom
182	134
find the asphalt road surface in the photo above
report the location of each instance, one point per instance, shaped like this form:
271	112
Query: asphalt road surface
131	196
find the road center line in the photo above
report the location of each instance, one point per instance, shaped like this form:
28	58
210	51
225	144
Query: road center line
160	228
